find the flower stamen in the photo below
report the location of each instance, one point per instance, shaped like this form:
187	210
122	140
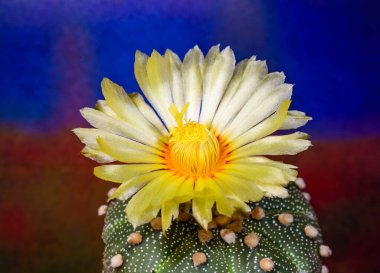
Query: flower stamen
193	149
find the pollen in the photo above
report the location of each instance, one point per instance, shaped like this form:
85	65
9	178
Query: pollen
193	149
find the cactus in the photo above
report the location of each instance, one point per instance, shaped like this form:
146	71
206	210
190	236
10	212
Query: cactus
286	245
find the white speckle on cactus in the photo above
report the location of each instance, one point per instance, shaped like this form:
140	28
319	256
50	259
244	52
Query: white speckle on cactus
251	240
111	191
228	236
325	251
311	231
266	264
307	196
116	261
258	213
285	218
102	210
134	238
199	258
300	182
324	269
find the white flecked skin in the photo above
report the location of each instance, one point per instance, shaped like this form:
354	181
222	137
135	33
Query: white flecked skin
288	246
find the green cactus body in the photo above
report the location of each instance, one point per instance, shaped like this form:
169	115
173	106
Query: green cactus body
287	246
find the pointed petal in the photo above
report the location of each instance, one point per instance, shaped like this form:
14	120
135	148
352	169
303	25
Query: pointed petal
250	79
274	145
294	120
123	106
192	69
185	192
152	76
274	191
265	128
97	155
218	73
239	187
106	123
102	106
261	105
288	170
130	187
169	211
148	112
202	210
124	172
128	151
139	209
174	68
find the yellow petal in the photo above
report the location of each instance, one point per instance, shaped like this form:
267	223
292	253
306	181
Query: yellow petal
139	209
124	107
128	151
219	68
106	123
274	145
185	192
287	169
257	174
251	77
130	187
267	127
241	188
192	69
148	112
97	155
174	68
263	103
294	120
152	76
201	209
274	191
169	212
169	190
122	173
102	106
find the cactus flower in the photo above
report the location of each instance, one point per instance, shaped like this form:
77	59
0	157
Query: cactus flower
203	135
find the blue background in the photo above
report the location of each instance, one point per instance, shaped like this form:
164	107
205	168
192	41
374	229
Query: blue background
53	55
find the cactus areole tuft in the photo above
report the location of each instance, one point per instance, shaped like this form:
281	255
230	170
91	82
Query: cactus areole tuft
197	191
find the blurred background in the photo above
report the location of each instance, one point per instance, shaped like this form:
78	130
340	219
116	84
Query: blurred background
53	55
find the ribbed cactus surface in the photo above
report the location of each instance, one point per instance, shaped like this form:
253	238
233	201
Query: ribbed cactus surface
286	245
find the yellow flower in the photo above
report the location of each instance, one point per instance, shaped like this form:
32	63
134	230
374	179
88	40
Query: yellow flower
203	141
